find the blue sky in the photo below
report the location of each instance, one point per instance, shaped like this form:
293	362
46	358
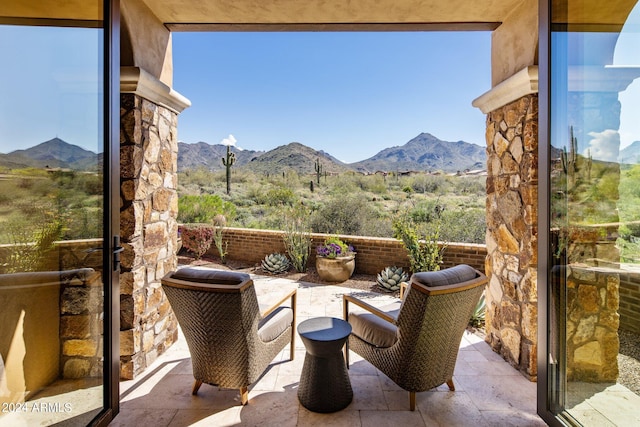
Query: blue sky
50	86
349	94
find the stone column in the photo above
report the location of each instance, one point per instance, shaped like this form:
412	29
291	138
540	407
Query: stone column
587	236
148	217
512	199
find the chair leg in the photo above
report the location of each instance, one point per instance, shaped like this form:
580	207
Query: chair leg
294	303
412	400
244	395
450	384
196	387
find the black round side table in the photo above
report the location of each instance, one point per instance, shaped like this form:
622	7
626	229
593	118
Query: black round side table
324	382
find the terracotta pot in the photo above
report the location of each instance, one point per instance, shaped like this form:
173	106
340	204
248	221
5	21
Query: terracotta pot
335	269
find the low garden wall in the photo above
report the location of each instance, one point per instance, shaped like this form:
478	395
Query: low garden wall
374	253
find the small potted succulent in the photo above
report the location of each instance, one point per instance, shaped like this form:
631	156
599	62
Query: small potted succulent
335	260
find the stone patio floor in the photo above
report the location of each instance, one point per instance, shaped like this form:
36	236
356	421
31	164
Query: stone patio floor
489	392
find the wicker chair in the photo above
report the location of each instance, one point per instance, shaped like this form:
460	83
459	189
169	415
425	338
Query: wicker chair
415	341
231	340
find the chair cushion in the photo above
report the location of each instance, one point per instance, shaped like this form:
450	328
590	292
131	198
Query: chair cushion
272	326
374	330
449	276
211	276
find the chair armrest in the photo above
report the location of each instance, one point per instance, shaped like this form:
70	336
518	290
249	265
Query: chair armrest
403	289
346	299
293	295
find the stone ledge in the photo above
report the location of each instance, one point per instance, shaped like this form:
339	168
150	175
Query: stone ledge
524	82
138	81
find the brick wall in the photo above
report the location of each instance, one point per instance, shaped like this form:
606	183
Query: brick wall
374	253
629	302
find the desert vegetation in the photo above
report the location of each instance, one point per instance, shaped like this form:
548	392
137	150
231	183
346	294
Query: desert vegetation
39	207
346	203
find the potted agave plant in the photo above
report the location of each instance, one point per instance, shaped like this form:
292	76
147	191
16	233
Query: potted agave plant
335	260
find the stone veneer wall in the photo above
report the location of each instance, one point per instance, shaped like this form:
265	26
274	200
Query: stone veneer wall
148	227
512	198
374	253
592	324
81	327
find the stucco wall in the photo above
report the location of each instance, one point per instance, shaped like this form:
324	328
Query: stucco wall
514	44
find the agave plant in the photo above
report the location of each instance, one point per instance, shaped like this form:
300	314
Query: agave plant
276	263
478	315
391	277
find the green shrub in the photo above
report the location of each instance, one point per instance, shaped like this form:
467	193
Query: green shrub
426	211
463	225
425	253
203	209
280	196
343	214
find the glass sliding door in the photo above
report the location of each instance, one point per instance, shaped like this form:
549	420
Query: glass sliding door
593	218
55	233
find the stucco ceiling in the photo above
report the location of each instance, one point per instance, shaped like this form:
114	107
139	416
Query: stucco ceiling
193	15
178	12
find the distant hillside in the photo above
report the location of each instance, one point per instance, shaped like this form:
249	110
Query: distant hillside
425	152
54	153
295	156
201	154
630	154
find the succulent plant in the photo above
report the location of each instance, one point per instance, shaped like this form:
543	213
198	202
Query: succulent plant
390	278
276	263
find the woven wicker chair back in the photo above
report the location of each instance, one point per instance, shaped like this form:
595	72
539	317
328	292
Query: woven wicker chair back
430	327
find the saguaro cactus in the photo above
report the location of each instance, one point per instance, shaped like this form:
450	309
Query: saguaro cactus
318	168
570	159
228	162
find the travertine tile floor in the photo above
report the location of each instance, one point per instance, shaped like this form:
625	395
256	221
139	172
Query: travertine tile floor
489	392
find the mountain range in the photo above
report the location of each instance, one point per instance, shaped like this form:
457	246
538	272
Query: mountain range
54	153
425	152
630	154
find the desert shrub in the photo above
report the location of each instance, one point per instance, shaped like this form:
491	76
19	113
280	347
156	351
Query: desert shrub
197	238
469	185
425	253
219	223
204	208
280	196
434	184
464	225
199	177
32	240
427	211
373	183
629	231
377	227
84	223
343	214
297	236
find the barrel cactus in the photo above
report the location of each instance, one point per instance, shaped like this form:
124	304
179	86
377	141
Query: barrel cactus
276	263
390	278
